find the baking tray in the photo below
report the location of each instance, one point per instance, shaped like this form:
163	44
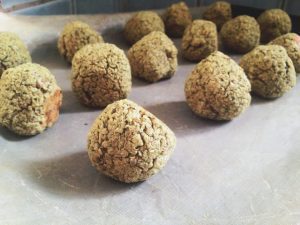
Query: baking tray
246	171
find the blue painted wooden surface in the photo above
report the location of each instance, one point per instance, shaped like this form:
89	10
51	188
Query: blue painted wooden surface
109	6
134	5
10	3
293	7
260	4
95	6
49	8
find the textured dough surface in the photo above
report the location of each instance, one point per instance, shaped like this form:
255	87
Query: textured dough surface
74	36
218	88
176	18
274	23
141	24
29	99
291	43
200	39
13	51
241	34
154	57
270	70
100	74
219	13
128	143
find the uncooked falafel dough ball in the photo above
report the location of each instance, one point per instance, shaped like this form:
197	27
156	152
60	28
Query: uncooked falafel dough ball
200	39
241	34
270	70
100	74
291	43
74	36
274	23
29	99
219	13
128	143
13	51
154	57
218	88
141	24
177	18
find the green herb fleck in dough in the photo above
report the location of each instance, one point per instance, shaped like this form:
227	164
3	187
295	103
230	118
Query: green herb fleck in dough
240	34
154	57
270	70
128	143
141	24
219	13
200	39
74	36
29	99
274	23
13	51
100	74
176	18
291	43
218	88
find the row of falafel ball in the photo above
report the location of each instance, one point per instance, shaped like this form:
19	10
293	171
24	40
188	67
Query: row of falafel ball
126	142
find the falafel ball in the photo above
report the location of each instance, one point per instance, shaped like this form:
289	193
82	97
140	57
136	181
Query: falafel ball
200	39
29	99
128	143
141	24
291	43
270	70
74	36
13	51
219	13
218	88
100	74
274	23
154	57
176	19
241	34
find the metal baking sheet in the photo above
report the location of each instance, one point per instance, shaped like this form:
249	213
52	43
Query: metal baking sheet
243	172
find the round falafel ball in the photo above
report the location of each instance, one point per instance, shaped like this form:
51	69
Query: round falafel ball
13	51
128	143
29	99
217	88
241	34
154	57
274	23
177	18
74	36
270	70
141	24
200	39
100	74
219	13
291	43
